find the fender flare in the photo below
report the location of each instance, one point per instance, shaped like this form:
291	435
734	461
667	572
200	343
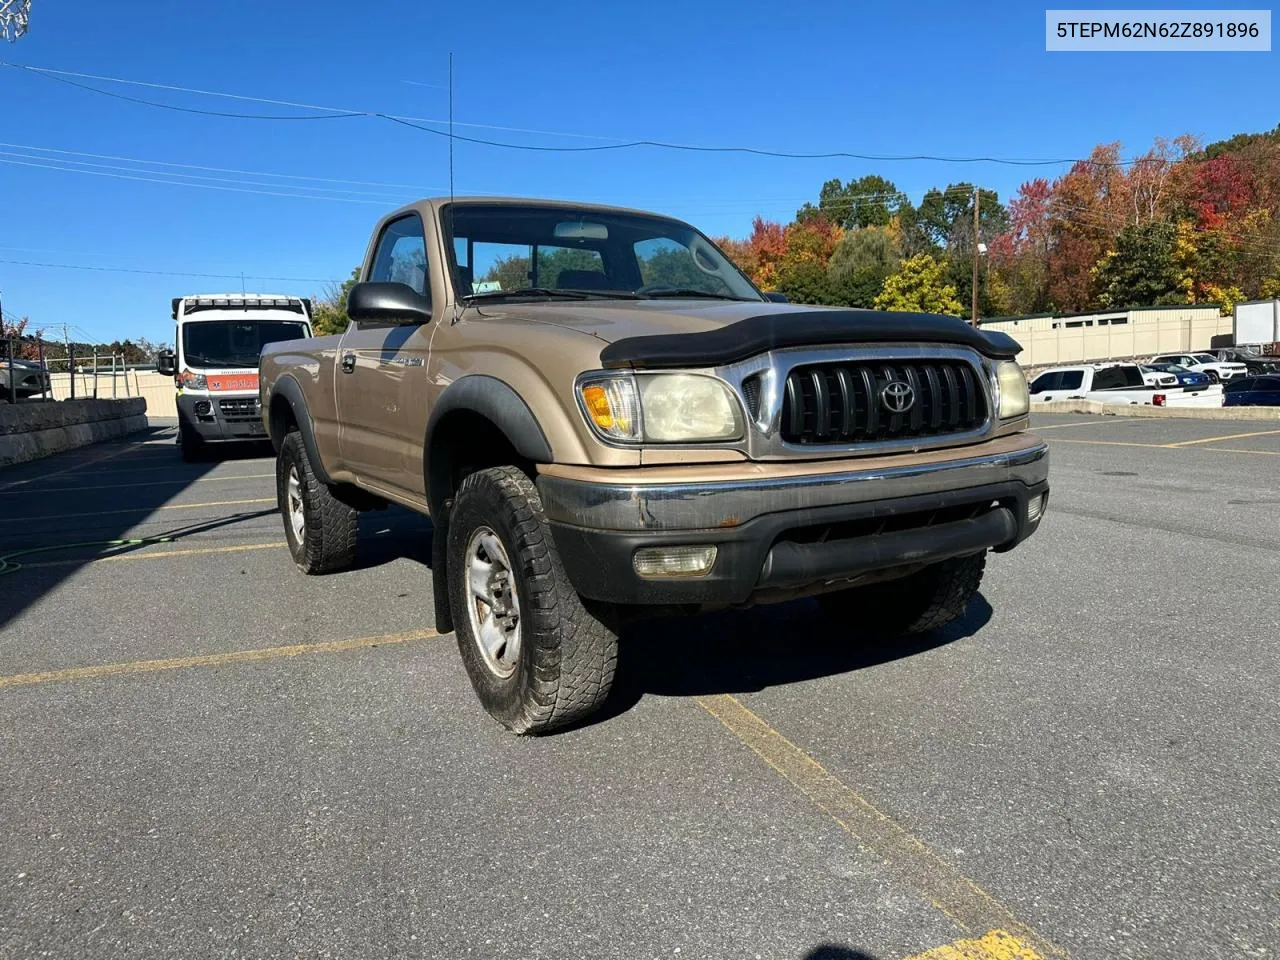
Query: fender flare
288	388
499	403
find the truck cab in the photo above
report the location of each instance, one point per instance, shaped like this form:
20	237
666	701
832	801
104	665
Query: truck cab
217	341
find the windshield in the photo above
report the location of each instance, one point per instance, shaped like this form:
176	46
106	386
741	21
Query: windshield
1205	358
234	343
500	250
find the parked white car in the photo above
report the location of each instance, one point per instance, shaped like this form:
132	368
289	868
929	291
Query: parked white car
1121	384
1206	363
1157	378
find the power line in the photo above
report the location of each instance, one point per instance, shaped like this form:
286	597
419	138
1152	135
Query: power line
183	183
169	273
196	166
417	124
189	176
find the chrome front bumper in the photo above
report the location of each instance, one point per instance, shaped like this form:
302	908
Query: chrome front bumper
727	504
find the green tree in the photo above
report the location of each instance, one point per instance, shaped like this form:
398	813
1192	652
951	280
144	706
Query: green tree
870	201
919	286
1143	268
859	265
329	315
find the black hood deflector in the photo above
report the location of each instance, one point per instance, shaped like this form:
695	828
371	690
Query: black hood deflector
773	331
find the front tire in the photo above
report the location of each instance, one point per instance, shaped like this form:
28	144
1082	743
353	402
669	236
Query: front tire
537	657
190	443
319	528
1213	376
921	603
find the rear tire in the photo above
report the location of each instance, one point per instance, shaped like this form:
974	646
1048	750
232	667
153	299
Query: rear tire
537	657
319	528
915	605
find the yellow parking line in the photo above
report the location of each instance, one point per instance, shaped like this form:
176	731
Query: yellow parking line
1231	436
1111	443
212	660
1085	423
968	905
995	945
149	483
155	555
106	513
1163	446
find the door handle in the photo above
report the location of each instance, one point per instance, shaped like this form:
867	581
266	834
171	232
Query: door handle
349	363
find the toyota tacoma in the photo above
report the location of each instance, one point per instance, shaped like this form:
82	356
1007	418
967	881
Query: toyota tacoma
604	417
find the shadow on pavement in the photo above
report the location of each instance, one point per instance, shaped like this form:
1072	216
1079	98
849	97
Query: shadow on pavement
70	507
834	951
742	651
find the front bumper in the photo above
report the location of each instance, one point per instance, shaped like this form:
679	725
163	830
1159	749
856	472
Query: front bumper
222	416
779	536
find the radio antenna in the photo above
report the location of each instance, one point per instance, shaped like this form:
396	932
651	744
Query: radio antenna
451	126
456	293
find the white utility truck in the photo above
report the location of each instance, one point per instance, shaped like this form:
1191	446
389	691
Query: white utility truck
215	362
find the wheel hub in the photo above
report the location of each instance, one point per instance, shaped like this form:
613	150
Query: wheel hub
293	498
493	602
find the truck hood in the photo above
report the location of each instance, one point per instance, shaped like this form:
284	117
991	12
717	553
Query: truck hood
613	320
675	333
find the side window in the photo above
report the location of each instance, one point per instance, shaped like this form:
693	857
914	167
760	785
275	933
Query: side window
1071	380
1245	384
401	254
1046	381
1110	379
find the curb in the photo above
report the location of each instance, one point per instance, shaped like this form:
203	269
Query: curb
1156	413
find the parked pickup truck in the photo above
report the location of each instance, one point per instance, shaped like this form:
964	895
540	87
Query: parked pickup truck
1118	384
603	417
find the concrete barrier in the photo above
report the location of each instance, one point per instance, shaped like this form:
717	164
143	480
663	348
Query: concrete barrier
1156	413
29	431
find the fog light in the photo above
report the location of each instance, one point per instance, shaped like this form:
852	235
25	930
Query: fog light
1035	507
658	562
203	408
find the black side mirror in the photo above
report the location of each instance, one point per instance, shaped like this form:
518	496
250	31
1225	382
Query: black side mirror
777	297
393	303
166	363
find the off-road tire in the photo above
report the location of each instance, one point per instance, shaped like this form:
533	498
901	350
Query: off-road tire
921	603
190	444
567	654
329	533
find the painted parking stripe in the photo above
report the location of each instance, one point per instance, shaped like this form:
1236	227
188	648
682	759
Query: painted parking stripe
107	513
211	660
995	945
155	555
147	483
972	909
1230	436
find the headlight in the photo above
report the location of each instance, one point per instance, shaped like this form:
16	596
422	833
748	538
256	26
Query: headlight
1011	389
193	381
660	408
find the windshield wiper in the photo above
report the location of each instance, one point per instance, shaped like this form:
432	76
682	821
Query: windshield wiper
689	293
547	292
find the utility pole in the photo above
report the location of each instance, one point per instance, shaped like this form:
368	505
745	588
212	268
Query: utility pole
974	320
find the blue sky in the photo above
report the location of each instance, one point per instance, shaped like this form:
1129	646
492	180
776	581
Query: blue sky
941	78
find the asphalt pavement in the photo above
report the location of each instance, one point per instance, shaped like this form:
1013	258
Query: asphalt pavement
207	754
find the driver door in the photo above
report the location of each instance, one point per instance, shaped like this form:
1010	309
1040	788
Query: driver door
381	407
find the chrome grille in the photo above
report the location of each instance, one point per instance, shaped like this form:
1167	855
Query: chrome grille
840	403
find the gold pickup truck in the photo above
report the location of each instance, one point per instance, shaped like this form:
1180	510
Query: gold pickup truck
603	417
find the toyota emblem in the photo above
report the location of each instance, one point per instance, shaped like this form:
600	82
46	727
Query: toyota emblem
898	396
